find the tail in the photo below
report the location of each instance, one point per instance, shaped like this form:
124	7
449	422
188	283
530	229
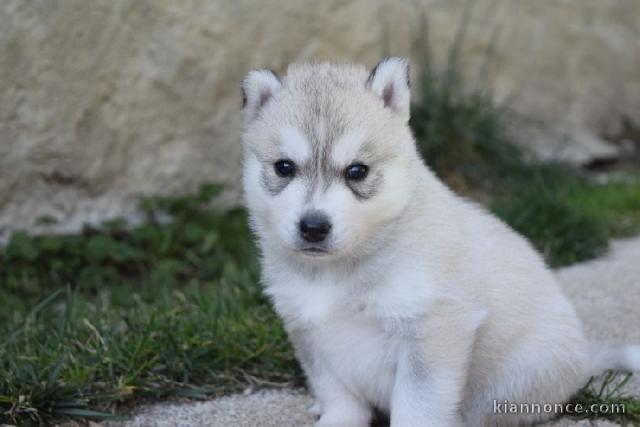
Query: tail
604	356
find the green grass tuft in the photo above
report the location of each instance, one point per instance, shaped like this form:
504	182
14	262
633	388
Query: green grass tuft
605	399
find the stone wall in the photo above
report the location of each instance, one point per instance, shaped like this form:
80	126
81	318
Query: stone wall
102	101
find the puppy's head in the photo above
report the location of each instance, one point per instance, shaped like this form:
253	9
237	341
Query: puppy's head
328	156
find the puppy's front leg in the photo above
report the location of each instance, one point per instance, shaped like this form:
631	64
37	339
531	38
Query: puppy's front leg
432	367
337	406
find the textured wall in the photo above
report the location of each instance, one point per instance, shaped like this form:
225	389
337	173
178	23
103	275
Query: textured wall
104	100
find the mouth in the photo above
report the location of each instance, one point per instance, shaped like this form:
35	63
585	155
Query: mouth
313	251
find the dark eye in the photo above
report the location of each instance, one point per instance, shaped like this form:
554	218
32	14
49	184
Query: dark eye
356	172
284	168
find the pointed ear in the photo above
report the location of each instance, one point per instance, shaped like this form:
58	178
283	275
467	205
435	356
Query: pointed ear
257	88
389	80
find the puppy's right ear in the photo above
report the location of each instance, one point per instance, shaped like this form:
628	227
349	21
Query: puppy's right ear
257	89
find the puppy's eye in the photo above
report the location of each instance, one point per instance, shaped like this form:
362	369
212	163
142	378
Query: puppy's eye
356	172
284	168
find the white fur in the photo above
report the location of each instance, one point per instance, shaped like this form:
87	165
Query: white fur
347	146
609	356
424	305
294	144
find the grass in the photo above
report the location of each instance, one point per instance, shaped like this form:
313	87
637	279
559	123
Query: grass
99	320
608	399
114	314
95	321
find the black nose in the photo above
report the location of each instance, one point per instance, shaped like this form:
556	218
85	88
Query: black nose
314	227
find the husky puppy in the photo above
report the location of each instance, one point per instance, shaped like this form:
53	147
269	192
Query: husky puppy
396	293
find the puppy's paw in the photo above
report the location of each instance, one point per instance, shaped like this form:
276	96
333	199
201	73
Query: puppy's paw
344	420
344	412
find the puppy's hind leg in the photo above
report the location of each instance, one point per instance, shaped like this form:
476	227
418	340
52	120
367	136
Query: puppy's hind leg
538	380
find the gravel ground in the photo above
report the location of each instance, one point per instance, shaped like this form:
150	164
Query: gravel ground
606	293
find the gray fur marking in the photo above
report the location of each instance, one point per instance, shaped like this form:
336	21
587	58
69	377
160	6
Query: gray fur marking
367	188
272	183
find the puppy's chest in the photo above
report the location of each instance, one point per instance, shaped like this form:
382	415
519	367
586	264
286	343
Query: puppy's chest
355	331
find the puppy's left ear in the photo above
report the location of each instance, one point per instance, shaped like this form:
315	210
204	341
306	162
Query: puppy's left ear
258	87
389	80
